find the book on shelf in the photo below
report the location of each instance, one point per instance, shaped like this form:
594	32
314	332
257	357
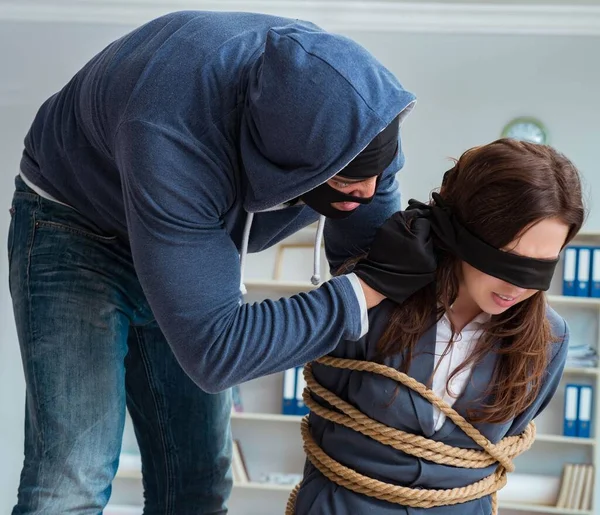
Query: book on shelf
578	407
576	488
301	408
580	279
581	355
238	464
293	387
289	392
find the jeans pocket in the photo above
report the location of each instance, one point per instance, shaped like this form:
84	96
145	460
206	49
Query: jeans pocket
78	231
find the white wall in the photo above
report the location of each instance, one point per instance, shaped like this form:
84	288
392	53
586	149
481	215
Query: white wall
34	62
468	88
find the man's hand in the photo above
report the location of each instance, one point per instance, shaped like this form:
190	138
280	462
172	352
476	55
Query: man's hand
401	260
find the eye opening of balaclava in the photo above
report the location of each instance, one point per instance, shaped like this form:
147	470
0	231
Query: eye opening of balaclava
524	272
370	162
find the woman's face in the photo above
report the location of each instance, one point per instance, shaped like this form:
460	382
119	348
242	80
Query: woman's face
544	240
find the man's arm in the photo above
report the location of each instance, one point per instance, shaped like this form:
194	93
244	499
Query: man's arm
189	269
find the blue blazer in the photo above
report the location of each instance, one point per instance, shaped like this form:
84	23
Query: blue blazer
408	411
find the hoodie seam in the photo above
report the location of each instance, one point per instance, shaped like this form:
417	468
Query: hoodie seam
338	73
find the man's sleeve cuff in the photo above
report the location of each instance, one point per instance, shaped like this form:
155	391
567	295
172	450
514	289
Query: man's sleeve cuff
362	302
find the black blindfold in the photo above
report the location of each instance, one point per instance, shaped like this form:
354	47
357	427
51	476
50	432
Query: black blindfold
525	272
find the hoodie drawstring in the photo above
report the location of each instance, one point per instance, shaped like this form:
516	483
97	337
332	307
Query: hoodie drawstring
244	253
316	278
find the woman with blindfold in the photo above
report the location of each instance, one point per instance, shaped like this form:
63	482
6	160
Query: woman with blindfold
479	332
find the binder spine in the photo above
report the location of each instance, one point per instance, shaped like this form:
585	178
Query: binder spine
584	262
584	414
595	273
570	410
301	408
289	391
569	271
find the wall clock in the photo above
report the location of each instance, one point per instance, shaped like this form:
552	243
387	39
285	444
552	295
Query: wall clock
526	129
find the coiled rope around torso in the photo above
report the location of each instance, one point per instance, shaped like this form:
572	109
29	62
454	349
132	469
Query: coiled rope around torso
502	453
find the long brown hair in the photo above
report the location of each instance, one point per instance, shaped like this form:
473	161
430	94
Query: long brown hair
497	190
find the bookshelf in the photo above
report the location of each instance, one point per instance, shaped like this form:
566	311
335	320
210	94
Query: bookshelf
271	442
546	457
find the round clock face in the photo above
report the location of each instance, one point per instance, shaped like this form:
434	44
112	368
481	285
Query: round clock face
526	129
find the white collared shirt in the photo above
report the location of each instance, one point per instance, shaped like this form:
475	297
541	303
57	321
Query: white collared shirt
460	350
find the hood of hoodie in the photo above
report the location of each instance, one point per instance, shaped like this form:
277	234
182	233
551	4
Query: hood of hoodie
314	100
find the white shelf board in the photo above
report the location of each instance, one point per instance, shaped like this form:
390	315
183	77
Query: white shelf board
121	509
540	508
584	301
266	417
123	473
296	419
503	505
587	234
254	485
564	439
587	371
278	286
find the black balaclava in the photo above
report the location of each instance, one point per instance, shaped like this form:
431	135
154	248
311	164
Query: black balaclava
371	162
522	271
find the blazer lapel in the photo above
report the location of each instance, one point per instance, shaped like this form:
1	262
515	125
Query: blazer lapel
420	369
481	376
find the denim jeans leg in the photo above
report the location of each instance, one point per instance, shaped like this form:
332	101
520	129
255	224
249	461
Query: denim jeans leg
72	334
183	433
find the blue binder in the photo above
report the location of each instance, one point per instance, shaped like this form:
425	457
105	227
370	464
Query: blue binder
289	392
584	266
584	412
301	408
570	411
595	282
569	271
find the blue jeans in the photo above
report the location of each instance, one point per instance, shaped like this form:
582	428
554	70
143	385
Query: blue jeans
90	347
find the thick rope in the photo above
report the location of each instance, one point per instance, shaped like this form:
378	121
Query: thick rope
502	453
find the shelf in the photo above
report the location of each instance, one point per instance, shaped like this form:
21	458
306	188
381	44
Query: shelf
582	301
541	509
503	505
565	439
587	371
278	286
296	419
118	509
253	485
303	286
587	234
266	417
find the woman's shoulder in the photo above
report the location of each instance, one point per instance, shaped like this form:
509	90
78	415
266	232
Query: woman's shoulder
559	329
364	348
558	324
